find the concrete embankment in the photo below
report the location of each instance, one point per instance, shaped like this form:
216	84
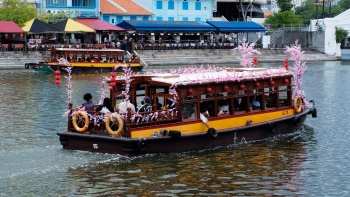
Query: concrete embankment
154	58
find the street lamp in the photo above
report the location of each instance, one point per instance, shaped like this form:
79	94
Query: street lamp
317	3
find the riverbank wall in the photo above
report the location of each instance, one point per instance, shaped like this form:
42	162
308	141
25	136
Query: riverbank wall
154	58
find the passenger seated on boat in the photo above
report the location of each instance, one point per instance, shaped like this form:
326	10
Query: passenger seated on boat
146	107
123	106
106	107
159	106
254	104
188	111
88	105
204	115
169	104
79	59
68	59
88	59
223	107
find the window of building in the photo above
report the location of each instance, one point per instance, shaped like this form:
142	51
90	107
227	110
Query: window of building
82	3
184	18
197	19
159	5
171	5
119	19
133	18
113	20
145	18
158	18
56	2
198	5
184	5
171	18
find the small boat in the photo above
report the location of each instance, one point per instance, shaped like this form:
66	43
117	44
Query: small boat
192	109
87	60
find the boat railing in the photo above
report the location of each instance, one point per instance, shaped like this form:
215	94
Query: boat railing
156	117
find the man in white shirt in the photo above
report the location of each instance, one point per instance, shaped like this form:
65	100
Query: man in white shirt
123	107
204	116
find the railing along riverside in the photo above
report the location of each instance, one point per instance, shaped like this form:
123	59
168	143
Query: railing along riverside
277	34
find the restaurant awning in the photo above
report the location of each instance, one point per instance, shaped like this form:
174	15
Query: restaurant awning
70	26
36	26
99	25
166	26
10	27
237	26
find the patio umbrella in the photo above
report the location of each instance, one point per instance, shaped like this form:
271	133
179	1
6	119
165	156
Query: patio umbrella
71	26
36	26
100	25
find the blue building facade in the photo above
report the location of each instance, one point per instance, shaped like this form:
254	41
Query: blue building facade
80	8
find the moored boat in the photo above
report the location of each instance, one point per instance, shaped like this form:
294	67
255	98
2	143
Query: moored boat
192	109
87	60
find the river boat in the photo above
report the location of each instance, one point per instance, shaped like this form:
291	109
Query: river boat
174	124
87	60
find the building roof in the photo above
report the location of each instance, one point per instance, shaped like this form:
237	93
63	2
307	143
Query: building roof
237	26
170	26
124	7
9	27
98	24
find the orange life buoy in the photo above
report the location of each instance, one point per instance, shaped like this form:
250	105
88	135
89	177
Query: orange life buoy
120	124
298	104
75	122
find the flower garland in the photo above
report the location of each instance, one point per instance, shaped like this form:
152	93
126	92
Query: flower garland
247	51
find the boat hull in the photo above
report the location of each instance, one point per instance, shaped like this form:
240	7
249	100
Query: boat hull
91	68
168	144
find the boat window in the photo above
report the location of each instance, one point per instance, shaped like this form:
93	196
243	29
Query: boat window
283	96
240	101
79	58
270	94
70	57
189	111
255	98
103	58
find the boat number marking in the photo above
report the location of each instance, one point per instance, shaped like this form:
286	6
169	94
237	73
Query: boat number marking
285	112
95	146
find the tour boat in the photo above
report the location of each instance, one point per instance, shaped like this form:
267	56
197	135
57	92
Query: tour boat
87	60
192	109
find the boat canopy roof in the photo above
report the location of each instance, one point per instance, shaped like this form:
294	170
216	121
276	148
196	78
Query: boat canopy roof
214	76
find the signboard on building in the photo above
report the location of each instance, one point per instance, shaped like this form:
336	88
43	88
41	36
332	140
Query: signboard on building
86	14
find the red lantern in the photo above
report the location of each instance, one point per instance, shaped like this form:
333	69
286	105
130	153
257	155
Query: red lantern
110	88
112	79
225	87
255	61
242	86
113	84
113	74
257	84
13	35
21	35
272	82
286	64
57	77
208	90
6	35
190	90
286	81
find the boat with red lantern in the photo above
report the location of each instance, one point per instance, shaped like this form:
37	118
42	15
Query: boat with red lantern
191	109
87	60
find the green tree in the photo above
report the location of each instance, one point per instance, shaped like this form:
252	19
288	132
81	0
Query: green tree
340	34
18	11
345	4
307	11
283	18
52	18
285	5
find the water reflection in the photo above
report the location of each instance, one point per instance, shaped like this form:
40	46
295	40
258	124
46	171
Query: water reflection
257	169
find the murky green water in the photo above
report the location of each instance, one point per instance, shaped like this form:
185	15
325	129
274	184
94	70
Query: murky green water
32	162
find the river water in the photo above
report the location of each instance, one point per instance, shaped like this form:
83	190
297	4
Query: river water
313	162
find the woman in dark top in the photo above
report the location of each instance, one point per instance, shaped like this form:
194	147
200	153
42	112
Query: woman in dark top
89	105
106	107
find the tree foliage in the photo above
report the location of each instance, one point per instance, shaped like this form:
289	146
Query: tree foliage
340	34
285	5
18	11
344	4
52	18
282	18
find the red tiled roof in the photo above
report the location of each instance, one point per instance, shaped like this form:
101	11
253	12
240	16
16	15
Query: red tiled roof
10	27
122	7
